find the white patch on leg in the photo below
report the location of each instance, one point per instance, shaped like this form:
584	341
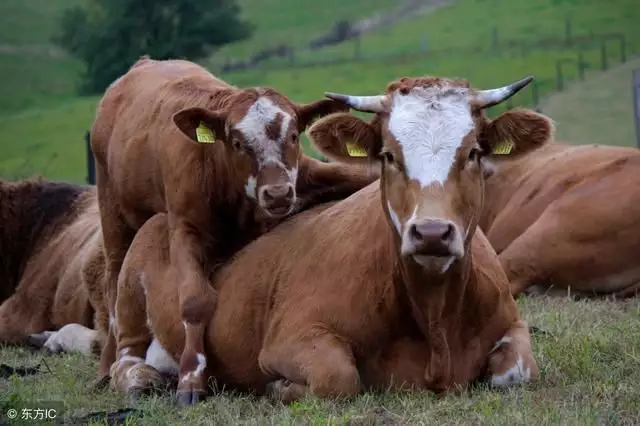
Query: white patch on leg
202	364
430	125
158	358
73	338
513	376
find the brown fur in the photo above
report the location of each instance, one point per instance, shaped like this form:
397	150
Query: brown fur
566	216
145	165
326	304
49	230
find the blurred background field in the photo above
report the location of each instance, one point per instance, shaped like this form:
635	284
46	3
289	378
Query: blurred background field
565	44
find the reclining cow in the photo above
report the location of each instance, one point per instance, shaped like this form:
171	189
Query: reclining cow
565	220
392	286
50	241
154	138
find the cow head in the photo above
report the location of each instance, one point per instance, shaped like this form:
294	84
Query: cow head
435	143
260	129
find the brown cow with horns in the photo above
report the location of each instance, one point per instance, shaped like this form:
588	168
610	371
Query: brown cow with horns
392	286
153	142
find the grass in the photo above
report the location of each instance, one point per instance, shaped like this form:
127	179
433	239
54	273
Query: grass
598	110
590	367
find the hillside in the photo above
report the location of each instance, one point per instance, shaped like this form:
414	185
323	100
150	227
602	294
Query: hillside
42	123
598	110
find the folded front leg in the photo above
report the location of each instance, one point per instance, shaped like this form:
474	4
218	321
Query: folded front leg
511	360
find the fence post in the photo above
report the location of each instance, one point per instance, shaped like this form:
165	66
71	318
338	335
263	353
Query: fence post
535	97
567	30
636	103
623	49
559	82
603	55
91	166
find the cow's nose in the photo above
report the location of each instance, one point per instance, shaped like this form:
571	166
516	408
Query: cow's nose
275	192
432	237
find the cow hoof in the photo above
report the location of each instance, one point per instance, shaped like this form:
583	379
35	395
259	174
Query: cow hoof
99	384
185	399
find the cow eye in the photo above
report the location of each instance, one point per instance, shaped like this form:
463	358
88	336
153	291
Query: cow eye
388	156
294	138
474	154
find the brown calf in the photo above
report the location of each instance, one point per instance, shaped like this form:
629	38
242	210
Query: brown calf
150	158
565	219
49	233
393	286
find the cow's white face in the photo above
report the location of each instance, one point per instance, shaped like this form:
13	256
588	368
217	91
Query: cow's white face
433	140
260	129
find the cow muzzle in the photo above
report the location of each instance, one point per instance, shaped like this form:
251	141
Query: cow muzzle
432	238
277	200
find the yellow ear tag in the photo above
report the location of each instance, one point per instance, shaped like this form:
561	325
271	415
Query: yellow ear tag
503	148
355	151
204	134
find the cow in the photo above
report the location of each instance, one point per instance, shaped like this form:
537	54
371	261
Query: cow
565	220
49	241
394	286
225	163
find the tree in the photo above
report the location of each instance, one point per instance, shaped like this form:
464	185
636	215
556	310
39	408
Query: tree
110	35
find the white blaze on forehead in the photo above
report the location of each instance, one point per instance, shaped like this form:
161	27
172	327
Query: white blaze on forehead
430	125
254	128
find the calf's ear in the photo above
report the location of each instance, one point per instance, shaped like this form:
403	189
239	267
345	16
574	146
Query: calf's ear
347	138
200	125
308	113
517	132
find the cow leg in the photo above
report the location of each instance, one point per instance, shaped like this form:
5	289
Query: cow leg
511	360
130	374
70	338
21	316
192	384
322	366
117	237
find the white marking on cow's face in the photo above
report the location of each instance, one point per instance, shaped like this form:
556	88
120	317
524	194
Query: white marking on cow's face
430	124
72	338
250	187
394	218
513	376
254	129
159	358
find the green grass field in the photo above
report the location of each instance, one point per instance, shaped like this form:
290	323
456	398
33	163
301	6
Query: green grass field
589	361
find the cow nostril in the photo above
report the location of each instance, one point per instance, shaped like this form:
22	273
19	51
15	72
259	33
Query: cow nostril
448	233
415	234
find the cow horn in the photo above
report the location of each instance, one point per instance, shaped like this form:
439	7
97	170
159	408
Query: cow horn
360	103
491	97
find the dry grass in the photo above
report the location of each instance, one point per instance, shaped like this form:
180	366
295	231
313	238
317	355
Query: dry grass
590	363
598	110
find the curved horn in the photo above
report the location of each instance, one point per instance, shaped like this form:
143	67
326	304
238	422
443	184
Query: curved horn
491	97
360	103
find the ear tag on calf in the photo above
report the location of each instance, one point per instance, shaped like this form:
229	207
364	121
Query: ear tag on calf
355	151
204	134
503	148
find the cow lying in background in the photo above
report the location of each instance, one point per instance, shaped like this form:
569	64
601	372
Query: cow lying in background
393	286
566	219
154	140
51	255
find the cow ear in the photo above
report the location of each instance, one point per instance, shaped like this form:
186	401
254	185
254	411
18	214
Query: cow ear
347	138
200	125
517	132
308	113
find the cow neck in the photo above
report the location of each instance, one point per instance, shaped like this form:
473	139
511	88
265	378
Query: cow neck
433	297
